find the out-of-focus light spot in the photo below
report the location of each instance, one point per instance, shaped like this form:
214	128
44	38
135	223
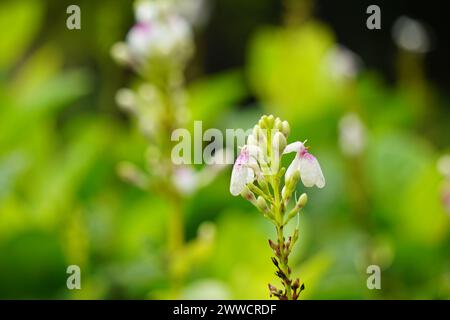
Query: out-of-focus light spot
443	165
411	35
343	63
352	134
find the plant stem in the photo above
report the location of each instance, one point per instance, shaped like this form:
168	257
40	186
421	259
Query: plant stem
175	230
175	245
283	249
283	260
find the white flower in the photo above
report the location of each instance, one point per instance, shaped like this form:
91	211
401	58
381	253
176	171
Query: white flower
343	63
444	166
185	180
243	170
310	171
161	37
188	180
146	11
352	134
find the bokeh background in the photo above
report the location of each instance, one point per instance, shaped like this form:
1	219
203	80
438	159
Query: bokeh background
378	120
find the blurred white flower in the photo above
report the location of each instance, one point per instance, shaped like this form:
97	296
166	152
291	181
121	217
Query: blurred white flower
352	134
121	53
188	180
126	99
443	166
149	10
343	63
410	35
159	38
206	231
196	12
185	179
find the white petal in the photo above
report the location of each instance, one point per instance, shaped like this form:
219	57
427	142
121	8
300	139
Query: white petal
240	176
250	175
294	166
310	171
146	11
139	39
294	147
251	140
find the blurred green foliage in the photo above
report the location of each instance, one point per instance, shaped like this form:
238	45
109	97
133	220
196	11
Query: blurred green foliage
62	203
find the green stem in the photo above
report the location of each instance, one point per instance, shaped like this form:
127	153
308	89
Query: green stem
284	263
284	254
175	245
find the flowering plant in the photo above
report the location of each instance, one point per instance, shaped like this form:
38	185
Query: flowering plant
258	175
158	48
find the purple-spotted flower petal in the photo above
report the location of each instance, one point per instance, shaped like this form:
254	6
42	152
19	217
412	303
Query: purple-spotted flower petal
243	171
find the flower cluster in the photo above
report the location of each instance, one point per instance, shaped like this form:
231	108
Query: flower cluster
158	48
162	36
257	176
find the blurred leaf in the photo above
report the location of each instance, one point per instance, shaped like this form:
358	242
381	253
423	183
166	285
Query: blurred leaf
29	260
423	219
287	70
33	107
312	271
39	68
211	97
19	22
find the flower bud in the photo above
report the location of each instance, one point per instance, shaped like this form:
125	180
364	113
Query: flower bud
248	195
259	135
283	192
270	121
256	130
285	128
292	181
263	122
126	99
296	284
278	124
261	204
301	202
289	186
263	184
121	54
279	142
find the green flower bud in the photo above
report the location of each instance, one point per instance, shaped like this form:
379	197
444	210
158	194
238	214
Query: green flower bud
284	194
270	121
289	186
278	124
263	122
261	204
292	182
248	195
301	202
285	128
263	184
279	142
